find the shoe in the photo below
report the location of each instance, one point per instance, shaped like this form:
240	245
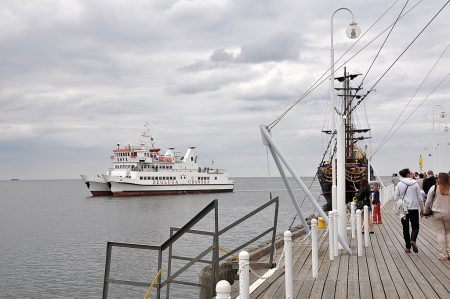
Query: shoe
380	222
414	247
372	232
442	257
375	222
407	250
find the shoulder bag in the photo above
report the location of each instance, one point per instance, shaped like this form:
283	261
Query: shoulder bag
400	208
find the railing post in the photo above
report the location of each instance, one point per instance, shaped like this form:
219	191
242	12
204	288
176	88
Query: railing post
331	234
107	270
314	249
359	232
366	226
274	233
223	290
352	219
336	230
288	277
244	279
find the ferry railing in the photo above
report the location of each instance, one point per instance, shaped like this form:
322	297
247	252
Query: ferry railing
177	233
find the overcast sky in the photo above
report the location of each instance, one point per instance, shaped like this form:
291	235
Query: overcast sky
79	76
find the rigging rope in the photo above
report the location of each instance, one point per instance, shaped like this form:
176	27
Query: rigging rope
401	54
319	81
387	137
374	59
417	107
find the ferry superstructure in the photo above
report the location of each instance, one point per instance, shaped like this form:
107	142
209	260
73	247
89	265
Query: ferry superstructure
144	171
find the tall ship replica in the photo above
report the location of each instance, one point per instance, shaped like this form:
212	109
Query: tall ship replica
356	161
144	170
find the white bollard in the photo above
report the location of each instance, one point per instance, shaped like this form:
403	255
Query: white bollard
244	278
223	290
331	234
336	230
366	226
288	277
359	232
314	249
353	219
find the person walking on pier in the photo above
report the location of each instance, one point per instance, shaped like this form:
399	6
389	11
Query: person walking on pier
429	181
376	203
439	199
395	179
409	191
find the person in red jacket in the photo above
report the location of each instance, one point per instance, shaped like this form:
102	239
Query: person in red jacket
376	203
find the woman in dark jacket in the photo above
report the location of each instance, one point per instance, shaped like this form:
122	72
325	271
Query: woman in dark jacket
363	199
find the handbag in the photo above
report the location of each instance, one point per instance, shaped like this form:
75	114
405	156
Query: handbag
429	211
400	207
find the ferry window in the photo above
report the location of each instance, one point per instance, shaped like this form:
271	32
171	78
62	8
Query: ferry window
192	158
215	178
141	178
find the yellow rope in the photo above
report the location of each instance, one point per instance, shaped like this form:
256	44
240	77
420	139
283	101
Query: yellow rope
152	284
227	251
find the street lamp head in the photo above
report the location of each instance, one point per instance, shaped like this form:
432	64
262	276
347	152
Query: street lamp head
353	30
442	115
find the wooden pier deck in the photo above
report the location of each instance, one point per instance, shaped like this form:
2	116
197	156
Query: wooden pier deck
384	271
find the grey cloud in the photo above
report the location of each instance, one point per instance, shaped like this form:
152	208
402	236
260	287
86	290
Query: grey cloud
277	47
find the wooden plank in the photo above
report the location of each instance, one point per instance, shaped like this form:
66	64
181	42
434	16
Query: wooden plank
385	270
412	274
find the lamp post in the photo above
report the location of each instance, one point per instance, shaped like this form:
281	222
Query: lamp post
338	167
436	156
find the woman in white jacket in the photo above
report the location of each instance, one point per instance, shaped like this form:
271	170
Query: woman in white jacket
409	191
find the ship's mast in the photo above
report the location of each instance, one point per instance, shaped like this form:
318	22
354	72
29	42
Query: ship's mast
347	102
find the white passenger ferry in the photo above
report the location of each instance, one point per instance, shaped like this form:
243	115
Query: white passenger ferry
143	170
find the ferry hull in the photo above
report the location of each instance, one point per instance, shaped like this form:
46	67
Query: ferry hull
97	185
168	192
124	188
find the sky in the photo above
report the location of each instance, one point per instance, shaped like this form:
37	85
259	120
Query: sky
79	76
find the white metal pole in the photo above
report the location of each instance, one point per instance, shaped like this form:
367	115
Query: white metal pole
223	290
267	139
331	235
336	234
333	123
366	226
244	278
289	189
341	202
352	219
314	249
334	187
288	277
359	232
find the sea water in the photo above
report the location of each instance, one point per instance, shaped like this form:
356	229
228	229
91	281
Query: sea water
53	234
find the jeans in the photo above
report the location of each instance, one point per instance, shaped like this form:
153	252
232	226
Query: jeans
413	217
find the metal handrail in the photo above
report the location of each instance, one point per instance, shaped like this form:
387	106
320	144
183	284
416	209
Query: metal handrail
211	206
179	232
